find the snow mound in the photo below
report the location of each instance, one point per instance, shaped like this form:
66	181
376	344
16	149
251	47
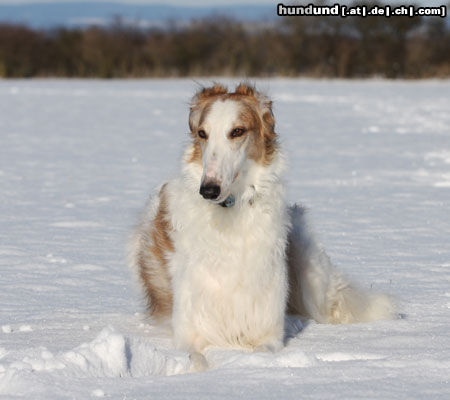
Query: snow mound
105	356
110	354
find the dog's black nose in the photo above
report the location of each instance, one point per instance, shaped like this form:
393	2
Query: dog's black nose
210	191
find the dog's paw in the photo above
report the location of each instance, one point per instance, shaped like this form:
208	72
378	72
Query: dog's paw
198	362
264	348
269	347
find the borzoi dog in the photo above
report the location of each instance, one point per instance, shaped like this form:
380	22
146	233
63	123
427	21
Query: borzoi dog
219	252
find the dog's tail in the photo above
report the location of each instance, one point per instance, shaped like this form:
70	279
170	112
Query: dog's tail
321	292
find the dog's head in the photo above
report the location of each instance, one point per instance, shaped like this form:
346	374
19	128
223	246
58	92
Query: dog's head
229	131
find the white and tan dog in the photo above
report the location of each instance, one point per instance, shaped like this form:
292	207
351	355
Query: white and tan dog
220	253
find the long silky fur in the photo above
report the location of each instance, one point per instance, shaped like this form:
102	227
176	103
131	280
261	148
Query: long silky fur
233	273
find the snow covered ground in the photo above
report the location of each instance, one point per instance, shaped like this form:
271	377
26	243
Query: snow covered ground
371	159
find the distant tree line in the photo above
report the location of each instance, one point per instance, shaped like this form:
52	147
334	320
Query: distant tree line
396	47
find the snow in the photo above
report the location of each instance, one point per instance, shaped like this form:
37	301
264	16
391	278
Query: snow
371	161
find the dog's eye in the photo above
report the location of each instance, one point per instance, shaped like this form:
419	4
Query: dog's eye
237	132
202	134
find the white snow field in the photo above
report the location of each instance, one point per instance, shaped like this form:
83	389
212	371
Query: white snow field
78	159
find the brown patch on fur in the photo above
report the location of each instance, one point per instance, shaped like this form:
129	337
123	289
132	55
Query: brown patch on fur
264	137
216	90
152	262
196	155
205	109
266	143
270	137
245	90
200	106
249	118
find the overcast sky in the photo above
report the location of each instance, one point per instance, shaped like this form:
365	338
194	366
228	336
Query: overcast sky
217	2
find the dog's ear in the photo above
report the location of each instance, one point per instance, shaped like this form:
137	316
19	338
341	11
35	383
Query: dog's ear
268	127
266	113
264	104
245	89
205	93
264	107
199	101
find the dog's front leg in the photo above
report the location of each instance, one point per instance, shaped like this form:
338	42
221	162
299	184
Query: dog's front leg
198	362
185	334
186	338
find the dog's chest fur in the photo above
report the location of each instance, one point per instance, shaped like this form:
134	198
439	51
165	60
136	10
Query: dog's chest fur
228	268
